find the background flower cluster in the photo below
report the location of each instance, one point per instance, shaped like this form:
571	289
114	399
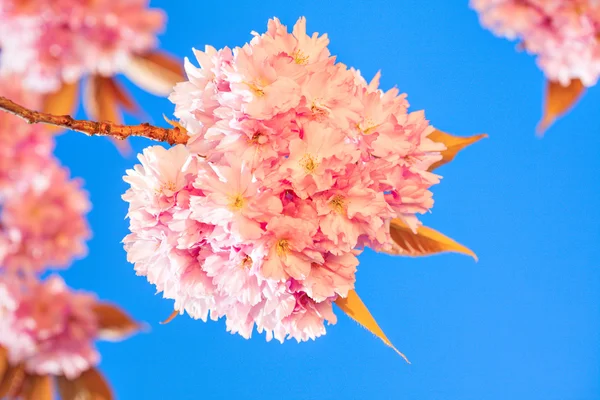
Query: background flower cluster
48	330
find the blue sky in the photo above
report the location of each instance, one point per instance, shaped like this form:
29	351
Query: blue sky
523	323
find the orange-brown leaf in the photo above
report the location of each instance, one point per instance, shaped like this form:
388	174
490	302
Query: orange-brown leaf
90	385
3	362
425	242
559	100
96	385
453	144
62	102
101	102
174	124
38	387
155	72
170	317
113	322
353	306
122	96
12	381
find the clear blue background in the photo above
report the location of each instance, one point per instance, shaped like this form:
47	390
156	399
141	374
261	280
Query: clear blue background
523	323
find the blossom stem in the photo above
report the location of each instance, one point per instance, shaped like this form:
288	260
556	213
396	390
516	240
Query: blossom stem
91	128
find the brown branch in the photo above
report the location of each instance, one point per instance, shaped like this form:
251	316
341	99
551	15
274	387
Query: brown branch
91	128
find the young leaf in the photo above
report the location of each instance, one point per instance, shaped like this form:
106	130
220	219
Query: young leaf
96	385
356	309
453	144
113	322
101	102
3	362
38	387
155	72
122	96
170	317
64	101
425	242
89	385
559	100
12	381
174	124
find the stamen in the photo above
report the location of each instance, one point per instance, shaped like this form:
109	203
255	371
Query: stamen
337	204
308	163
282	247
236	202
300	58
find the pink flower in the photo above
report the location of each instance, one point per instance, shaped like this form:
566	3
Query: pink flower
334	277
563	34
61	40
316	157
354	209
45	224
294	164
305	53
290	248
24	149
255	79
307	321
328	95
161	175
232	199
47	327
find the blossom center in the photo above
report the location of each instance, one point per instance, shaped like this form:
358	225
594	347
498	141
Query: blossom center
367	126
299	57
170	186
24	5
258	87
35	212
246	262
258	138
236	202
62	240
337	204
410	160
282	247
40	308
318	111
309	163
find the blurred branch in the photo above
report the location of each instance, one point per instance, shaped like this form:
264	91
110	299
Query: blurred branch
121	132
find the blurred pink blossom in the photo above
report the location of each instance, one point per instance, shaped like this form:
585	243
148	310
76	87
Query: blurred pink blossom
47	327
24	149
51	42
44	225
42	211
563	34
294	164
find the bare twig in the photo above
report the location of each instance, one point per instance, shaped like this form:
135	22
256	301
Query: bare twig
172	136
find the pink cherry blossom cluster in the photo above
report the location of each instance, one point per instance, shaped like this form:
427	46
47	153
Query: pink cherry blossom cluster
47	327
24	149
60	40
42	211
564	34
294	164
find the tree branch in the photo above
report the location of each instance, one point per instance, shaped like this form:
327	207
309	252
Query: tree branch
91	128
